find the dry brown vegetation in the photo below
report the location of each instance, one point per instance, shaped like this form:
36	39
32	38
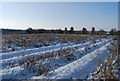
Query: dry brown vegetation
108	69
38	40
31	62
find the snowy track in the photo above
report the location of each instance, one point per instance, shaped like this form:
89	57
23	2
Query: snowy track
40	53
42	49
55	49
79	67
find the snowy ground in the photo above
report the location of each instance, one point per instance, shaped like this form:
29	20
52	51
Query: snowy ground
62	61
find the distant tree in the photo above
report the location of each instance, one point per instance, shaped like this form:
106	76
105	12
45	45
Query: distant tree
41	30
93	30
65	30
29	30
84	31
60	31
113	31
71	30
102	32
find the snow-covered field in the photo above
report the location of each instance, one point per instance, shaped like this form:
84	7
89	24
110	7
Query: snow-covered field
68	60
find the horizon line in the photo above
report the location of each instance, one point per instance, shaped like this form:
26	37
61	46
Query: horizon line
58	29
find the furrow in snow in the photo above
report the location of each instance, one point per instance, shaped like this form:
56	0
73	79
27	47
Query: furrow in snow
99	44
15	59
42	53
80	68
35	50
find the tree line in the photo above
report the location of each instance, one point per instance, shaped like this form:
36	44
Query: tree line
72	31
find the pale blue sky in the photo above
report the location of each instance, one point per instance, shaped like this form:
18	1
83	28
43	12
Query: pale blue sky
55	15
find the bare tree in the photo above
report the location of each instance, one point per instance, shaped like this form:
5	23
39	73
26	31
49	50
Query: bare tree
29	30
65	30
93	30
113	31
71	30
84	31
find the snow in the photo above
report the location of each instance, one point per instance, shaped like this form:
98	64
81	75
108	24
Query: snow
81	68
60	68
42	53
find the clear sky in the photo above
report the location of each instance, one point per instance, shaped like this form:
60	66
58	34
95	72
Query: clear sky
55	15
